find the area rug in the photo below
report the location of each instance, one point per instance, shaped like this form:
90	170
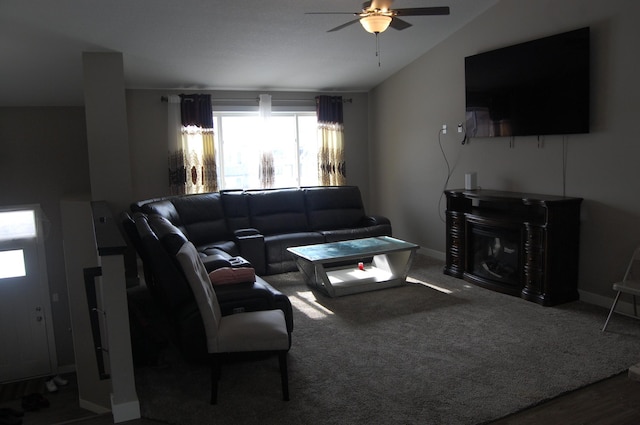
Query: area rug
436	350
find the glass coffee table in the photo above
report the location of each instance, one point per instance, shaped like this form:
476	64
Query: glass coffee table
358	265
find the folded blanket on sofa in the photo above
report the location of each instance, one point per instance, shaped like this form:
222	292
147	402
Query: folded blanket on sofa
228	275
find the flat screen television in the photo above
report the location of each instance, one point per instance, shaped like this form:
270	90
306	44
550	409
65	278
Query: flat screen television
539	87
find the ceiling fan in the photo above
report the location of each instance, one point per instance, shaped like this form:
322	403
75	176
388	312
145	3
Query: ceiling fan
376	16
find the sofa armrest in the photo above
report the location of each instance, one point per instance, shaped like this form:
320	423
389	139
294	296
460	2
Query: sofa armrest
247	232
216	261
281	301
251	245
244	296
374	220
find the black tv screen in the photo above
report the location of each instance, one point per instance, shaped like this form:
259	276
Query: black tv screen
540	87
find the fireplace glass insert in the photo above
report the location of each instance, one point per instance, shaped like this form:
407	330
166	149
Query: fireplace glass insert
496	256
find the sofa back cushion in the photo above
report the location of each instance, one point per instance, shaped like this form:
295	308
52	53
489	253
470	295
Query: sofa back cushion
277	211
162	207
202	217
167	283
236	209
335	207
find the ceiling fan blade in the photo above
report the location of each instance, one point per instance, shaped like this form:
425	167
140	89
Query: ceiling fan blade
331	13
339	27
422	11
377	4
399	24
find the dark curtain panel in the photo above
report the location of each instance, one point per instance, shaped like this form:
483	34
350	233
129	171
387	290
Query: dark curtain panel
332	169
329	109
195	109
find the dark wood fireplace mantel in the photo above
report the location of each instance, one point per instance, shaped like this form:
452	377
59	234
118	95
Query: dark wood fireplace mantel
521	244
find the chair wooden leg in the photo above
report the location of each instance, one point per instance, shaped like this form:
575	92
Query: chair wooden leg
215	377
284	374
613	307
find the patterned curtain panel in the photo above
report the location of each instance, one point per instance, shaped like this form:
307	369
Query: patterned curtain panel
192	160
267	170
331	161
267	167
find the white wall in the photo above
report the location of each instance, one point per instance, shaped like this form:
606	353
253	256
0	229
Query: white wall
407	111
106	118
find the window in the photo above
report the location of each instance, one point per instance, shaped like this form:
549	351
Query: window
17	225
241	140
14	227
12	264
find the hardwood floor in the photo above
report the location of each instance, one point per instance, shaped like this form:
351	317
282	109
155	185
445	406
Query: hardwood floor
612	401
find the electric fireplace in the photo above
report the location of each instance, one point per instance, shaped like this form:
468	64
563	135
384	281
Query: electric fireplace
520	244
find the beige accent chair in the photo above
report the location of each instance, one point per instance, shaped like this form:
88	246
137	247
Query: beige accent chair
262	331
630	284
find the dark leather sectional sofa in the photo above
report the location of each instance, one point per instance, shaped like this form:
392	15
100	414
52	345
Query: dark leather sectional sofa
260	225
237	228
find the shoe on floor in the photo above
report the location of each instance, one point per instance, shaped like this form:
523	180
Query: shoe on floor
34	402
51	386
60	381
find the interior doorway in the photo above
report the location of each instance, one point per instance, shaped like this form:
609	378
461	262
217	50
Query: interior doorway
26	329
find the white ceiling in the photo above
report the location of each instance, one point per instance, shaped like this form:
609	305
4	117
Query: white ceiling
269	45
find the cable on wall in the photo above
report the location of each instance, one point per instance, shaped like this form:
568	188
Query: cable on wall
564	165
446	182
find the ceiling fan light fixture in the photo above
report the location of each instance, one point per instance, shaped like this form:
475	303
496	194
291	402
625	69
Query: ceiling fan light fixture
375	23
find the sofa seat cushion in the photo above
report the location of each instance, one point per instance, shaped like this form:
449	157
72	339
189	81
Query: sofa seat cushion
356	233
210	248
253	296
214	258
278	259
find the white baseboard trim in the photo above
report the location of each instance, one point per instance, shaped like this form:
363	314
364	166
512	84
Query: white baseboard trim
432	253
92	407
634	372
624	307
126	411
69	368
595	299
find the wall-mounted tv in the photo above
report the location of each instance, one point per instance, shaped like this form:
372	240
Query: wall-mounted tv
540	87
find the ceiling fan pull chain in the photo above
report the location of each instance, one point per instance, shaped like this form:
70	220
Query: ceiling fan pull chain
378	49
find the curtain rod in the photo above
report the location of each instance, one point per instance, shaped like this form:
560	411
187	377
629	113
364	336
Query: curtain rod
347	100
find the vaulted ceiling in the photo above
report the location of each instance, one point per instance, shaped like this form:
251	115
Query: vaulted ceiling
270	45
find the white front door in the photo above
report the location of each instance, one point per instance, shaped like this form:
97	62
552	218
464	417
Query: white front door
26	338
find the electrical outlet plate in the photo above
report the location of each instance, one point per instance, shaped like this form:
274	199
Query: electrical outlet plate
444	129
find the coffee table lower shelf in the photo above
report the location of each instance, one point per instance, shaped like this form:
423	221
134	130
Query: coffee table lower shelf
384	271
